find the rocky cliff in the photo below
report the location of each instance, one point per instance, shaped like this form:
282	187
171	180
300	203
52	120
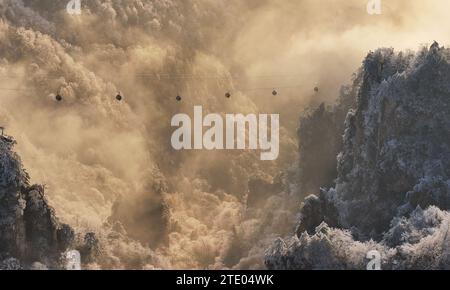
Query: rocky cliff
30	234
392	188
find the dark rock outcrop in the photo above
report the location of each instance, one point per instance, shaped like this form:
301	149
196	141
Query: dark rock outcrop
29	231
320	140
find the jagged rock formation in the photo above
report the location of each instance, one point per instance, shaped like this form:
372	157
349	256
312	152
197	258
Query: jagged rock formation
392	192
320	140
30	234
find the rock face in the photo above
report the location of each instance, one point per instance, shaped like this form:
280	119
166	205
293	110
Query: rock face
392	189
30	234
320	135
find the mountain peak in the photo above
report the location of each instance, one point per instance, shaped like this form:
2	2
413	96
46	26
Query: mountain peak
392	187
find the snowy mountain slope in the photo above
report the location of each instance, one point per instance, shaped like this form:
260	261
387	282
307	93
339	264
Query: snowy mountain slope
392	192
